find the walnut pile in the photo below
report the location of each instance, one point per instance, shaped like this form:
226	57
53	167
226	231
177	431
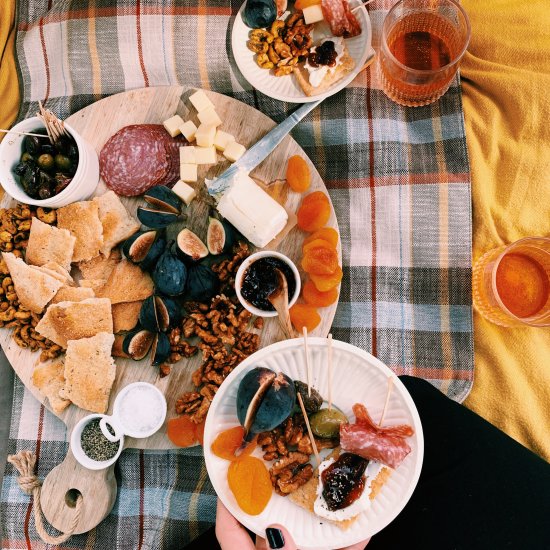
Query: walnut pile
227	269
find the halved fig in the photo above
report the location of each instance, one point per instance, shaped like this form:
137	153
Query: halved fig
144	247
159	313
190	247
161	197
156	219
137	343
220	236
160	350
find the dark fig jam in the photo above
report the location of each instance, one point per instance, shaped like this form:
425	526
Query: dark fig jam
325	54
344	481
260	280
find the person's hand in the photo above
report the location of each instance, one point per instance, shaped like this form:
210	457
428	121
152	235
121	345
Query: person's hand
233	536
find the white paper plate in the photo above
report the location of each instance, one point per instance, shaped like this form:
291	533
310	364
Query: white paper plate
286	88
358	377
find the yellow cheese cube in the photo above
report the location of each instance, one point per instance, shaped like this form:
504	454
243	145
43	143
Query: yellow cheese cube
205	134
313	14
188	172
209	116
222	139
234	151
187	155
184	191
206	155
172	125
188	130
200	101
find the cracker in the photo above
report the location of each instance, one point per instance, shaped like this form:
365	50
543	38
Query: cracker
49	379
60	270
127	283
95	284
125	315
82	220
66	321
34	288
100	267
117	223
72	294
49	244
89	372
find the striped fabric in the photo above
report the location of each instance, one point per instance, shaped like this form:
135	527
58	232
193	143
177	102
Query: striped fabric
399	180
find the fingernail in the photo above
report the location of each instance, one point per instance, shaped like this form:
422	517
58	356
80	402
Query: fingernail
274	537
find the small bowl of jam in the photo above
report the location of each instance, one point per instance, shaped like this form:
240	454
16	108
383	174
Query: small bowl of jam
257	278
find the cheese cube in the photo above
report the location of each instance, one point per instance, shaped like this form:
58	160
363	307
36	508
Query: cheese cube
222	139
205	134
187	155
200	101
313	14
206	155
188	130
234	151
172	125
188	172
184	191
209	116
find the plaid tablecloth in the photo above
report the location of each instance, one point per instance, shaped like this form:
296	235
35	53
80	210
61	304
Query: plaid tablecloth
399	180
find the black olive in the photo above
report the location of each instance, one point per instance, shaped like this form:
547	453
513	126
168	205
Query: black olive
73	153
63	144
33	145
20	168
25	157
30	180
44	192
49	149
46	162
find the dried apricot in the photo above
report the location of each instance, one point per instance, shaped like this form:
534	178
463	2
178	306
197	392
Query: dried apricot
199	432
325	282
248	479
181	431
315	244
229	441
298	176
301	4
317	298
313	215
304	315
328	234
315	196
320	260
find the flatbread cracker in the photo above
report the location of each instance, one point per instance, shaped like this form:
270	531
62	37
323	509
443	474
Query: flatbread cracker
117	223
72	294
60	270
95	284
66	321
82	220
125	315
127	283
89	372
49	379
33	287
48	243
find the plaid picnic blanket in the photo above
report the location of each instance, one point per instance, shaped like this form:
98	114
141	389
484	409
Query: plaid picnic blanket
399	180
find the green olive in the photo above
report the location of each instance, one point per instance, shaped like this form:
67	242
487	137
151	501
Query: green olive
25	157
46	161
326	423
63	163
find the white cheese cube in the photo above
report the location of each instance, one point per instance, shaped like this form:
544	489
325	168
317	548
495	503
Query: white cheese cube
172	125
222	139
209	116
188	172
234	151
187	155
313	14
205	134
188	130
184	191
206	155
200	101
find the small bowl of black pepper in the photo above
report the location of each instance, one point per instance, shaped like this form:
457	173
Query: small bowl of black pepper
90	447
257	278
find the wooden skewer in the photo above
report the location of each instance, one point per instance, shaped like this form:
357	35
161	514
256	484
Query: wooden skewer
388	393
312	439
329	372
360	5
308	366
23	133
369	62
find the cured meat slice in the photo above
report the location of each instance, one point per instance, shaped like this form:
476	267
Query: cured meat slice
340	18
368	440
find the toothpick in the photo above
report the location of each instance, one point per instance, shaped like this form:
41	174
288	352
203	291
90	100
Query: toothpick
329	372
23	133
362	4
310	433
388	393
369	62
308	366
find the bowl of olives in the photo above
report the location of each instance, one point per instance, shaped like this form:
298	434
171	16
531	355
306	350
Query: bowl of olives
35	171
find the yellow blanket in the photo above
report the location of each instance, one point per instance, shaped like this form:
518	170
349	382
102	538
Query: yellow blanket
506	94
9	87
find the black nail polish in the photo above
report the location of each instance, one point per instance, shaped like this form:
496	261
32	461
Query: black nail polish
274	537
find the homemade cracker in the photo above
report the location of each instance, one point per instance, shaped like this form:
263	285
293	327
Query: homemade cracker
100	267
125	315
72	294
89	372
49	379
127	283
95	284
49	244
60	270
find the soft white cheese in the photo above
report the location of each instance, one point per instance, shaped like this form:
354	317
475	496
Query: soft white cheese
316	74
252	211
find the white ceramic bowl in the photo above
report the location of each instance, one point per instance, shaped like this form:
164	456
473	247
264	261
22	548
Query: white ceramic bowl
246	264
82	185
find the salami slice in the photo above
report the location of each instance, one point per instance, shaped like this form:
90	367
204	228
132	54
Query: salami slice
340	18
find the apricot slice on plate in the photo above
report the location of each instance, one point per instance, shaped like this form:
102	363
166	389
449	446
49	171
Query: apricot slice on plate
313	215
317	298
328	234
249	481
304	315
320	260
298	176
229	441
181	431
325	282
315	244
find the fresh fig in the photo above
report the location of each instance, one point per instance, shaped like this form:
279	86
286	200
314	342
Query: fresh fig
220	236
202	283
160	350
157	219
312	399
144	247
159	313
137	343
170	274
190	247
258	14
161	197
264	400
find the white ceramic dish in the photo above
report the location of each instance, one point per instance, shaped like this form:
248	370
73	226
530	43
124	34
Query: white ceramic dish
82	185
358	378
246	264
286	88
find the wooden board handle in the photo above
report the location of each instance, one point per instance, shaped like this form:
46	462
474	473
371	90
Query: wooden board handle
62	486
